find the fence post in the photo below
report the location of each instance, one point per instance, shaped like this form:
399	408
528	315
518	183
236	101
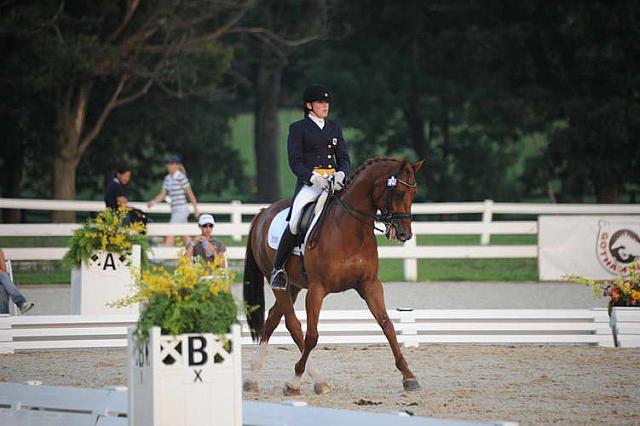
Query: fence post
6	338
236	220
487	216
411	265
407	316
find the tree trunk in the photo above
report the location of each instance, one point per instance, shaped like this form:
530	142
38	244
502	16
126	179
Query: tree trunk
606	185
12	180
65	164
70	124
572	188
266	125
419	137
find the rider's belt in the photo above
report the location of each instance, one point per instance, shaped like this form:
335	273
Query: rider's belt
324	172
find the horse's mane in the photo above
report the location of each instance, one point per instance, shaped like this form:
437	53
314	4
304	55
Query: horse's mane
366	164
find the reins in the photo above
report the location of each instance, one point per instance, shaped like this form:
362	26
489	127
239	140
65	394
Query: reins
386	216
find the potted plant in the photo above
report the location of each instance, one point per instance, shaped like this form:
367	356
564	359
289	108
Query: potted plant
104	256
184	353
624	303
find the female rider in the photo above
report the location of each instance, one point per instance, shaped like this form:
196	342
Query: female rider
317	150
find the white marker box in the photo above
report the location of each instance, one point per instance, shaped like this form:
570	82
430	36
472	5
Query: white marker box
185	380
104	278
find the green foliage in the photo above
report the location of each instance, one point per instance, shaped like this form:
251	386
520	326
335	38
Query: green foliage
106	232
193	298
194	314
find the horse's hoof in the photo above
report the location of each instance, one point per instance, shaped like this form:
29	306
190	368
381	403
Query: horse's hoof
411	385
290	390
321	388
250	386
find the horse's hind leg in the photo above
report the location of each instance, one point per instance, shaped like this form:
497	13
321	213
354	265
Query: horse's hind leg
320	386
313	303
373	293
272	321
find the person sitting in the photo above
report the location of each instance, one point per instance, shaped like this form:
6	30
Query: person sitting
205	246
8	290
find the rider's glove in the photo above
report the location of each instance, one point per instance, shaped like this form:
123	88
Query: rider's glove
318	180
339	180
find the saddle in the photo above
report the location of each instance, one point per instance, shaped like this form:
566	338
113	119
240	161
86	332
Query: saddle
310	224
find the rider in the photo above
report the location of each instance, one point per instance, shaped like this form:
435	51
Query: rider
317	150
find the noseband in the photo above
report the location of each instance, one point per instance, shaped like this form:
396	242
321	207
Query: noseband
388	217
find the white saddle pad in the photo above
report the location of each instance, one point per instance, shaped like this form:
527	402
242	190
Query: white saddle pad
280	221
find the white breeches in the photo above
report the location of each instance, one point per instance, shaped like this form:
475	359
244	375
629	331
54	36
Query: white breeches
306	195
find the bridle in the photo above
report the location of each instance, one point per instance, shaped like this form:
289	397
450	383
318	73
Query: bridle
388	217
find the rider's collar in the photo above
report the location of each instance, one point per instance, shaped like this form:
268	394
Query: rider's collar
317	120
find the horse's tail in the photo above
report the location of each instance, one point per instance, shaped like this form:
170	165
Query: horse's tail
253	289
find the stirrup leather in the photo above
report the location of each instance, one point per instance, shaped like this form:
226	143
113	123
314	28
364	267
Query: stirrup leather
279	279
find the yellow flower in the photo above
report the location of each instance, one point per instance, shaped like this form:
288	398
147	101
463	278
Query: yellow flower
635	295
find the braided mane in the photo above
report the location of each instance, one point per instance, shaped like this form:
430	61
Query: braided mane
366	164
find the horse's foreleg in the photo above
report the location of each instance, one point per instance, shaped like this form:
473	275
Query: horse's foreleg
373	294
272	321
315	294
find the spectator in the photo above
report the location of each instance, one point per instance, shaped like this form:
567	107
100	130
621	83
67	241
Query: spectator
9	291
205	246
115	195
177	186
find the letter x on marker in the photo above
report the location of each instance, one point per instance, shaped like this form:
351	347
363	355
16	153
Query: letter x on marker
198	375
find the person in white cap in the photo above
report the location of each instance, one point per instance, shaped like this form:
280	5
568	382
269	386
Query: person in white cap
205	246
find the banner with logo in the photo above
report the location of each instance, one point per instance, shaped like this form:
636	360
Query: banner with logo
596	247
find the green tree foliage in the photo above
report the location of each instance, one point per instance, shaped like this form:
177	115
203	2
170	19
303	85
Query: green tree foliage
90	58
485	90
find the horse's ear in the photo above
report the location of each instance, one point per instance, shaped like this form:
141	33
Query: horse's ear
417	166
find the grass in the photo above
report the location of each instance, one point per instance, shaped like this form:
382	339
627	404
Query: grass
390	269
57	277
464	270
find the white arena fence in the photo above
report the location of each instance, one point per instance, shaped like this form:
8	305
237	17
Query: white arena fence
410	252
414	327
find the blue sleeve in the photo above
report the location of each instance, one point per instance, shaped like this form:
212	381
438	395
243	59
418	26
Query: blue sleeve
295	148
342	154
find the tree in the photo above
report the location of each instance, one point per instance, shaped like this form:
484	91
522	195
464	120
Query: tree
96	57
281	27
145	133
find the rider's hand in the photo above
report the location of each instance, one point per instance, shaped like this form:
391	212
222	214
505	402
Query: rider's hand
339	178
318	180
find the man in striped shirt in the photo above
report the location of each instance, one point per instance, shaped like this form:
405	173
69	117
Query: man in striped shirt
177	187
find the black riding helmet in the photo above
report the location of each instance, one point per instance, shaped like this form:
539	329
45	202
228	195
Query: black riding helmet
313	93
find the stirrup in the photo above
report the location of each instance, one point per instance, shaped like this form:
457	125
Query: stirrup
278	279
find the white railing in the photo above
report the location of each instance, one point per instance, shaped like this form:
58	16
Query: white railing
414	327
409	252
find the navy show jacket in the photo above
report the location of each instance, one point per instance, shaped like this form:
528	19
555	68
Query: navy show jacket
309	147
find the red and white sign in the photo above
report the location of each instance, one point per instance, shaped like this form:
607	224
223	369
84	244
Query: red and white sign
596	247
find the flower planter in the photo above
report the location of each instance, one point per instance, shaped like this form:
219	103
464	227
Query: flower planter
185	380
625	323
103	279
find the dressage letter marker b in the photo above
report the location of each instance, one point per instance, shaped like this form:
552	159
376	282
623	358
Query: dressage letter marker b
197	351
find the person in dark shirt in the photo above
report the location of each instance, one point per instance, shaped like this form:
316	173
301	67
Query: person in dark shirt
115	195
317	150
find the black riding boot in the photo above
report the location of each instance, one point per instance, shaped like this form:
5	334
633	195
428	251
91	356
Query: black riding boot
278	274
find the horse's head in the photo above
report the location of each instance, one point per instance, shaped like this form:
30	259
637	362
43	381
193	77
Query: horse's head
393	194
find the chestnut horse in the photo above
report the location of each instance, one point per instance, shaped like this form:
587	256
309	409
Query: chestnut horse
344	257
